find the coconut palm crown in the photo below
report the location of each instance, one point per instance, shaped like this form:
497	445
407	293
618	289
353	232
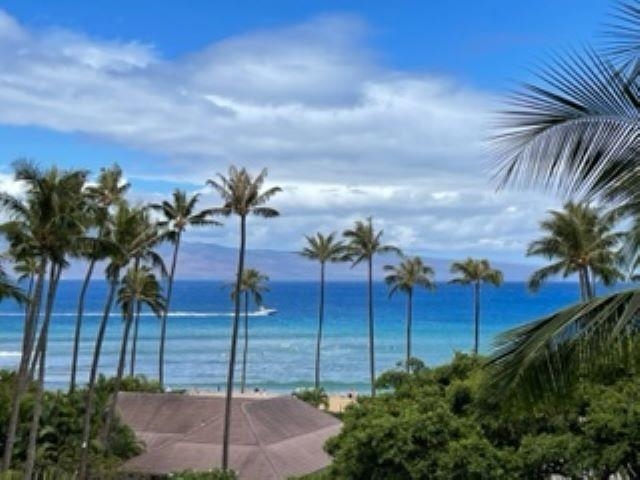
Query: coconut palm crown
579	239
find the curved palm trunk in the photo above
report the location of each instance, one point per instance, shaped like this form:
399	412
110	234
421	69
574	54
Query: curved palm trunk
89	401
246	342
372	365
320	322
111	411
134	344
163	324
476	317
409	321
23	368
41	353
232	354
76	337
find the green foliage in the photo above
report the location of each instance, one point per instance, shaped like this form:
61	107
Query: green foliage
444	423
61	428
313	396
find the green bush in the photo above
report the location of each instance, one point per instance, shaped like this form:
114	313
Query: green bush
442	423
312	396
60	430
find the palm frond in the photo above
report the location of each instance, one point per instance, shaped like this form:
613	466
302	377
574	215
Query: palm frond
546	357
582	125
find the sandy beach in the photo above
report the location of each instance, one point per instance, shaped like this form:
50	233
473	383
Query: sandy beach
337	402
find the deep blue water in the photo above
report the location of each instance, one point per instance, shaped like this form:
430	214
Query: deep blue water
282	346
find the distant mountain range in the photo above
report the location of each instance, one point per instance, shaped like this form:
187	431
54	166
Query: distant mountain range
207	261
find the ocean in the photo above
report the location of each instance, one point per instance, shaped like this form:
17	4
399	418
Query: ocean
282	346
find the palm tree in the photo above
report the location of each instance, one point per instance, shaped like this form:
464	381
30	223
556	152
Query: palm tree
475	272
145	253
139	287
108	190
576	131
363	243
580	240
411	272
242	195
322	249
178	215
253	284
46	224
125	236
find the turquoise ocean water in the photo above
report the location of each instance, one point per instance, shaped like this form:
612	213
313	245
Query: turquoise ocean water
282	346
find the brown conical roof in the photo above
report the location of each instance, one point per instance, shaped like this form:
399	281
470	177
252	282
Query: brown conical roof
271	438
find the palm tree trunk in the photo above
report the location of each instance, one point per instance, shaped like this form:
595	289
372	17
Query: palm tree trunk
246	342
111	411
23	368
76	337
134	344
232	354
476	317
591	282
163	324
41	352
584	293
27	310
320	322
88	411
134	308
372	365
409	319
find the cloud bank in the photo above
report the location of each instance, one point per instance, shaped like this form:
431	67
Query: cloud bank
344	134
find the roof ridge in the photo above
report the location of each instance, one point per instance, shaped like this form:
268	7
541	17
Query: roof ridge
260	445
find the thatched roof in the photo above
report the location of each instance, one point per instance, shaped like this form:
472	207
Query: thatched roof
271	438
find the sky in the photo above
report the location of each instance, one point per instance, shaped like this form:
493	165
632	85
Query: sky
357	109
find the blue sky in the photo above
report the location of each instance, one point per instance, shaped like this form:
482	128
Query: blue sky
357	108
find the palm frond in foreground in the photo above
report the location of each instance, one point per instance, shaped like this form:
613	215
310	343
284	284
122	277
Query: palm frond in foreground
548	356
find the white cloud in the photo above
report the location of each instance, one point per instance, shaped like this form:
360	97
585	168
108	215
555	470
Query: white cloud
345	135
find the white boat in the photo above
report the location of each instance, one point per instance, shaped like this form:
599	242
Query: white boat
263	311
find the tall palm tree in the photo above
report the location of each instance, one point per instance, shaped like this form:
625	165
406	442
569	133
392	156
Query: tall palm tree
363	243
242	195
253	284
108	190
125	237
178	214
46	224
323	249
475	272
411	272
579	239
576	130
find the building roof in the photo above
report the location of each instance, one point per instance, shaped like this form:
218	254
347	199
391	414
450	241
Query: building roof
271	438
